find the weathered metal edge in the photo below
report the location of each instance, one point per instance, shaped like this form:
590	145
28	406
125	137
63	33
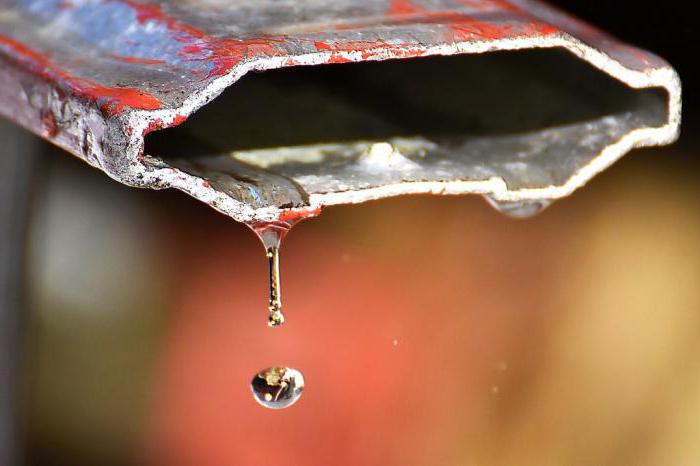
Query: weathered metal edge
115	145
496	188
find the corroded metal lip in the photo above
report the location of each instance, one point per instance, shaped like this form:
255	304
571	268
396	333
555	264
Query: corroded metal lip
95	77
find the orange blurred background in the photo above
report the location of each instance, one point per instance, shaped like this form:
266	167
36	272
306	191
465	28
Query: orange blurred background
430	330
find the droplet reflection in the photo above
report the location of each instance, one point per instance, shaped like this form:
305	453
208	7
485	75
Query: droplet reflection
277	387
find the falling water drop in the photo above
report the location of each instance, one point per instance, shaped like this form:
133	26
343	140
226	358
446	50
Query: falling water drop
271	235
277	387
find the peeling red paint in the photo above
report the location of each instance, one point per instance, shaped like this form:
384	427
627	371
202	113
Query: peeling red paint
335	57
469	28
112	100
137	60
336	48
545	29
462	26
491	5
535	26
154	12
158	123
299	214
320	45
145	11
223	53
206	183
408	7
367	50
154	125
220	55
404	7
23	50
227	53
292	62
178	120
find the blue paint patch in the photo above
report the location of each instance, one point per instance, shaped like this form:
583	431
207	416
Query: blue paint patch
115	28
254	193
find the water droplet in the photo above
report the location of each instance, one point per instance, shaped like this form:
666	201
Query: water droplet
520	209
271	234
277	387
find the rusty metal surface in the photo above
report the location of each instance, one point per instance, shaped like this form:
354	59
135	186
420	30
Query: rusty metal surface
96	76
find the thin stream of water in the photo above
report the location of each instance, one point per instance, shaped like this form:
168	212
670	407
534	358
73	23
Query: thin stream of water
271	234
279	386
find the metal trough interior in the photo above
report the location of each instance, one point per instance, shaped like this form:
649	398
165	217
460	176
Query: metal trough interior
531	118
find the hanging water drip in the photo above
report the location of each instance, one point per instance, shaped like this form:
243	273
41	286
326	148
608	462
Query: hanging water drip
520	209
271	234
275	387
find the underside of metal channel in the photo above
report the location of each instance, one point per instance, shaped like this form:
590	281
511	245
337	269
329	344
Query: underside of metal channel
523	123
276	110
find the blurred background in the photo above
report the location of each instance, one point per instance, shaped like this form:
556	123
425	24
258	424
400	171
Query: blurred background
430	330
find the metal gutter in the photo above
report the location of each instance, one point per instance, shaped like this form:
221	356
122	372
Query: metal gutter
96	76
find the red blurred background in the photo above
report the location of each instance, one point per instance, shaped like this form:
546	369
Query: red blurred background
430	330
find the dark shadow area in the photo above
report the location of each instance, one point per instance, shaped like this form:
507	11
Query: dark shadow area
441	98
